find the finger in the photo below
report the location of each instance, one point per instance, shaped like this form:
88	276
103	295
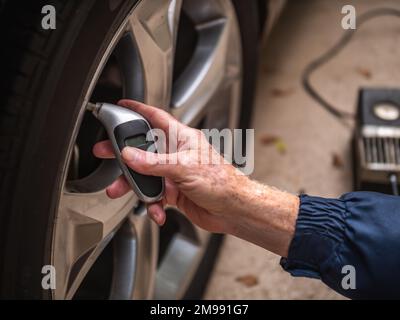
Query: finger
151	163
104	150
157	117
157	213
118	188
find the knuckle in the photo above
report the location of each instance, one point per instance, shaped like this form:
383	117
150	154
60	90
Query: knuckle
187	160
151	159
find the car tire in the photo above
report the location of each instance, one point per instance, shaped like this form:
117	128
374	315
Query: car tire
45	72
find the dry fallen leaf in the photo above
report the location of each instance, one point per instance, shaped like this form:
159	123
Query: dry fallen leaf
364	72
267	139
277	92
337	160
269	69
248	280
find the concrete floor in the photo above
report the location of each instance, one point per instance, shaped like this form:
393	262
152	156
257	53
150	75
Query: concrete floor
311	136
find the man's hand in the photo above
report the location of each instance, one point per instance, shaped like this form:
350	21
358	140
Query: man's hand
213	194
202	191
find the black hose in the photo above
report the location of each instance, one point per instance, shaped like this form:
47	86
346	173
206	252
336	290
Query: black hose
332	52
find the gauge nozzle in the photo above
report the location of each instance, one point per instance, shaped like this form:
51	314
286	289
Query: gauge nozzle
93	107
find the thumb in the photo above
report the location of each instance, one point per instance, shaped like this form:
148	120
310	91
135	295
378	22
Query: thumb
150	163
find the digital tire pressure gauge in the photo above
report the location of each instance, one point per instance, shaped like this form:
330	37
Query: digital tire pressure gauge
128	128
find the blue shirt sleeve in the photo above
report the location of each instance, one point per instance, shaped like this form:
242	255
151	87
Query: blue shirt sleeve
360	230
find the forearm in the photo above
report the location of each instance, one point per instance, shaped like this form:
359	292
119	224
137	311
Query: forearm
265	216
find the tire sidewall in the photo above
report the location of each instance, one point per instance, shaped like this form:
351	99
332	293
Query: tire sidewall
54	117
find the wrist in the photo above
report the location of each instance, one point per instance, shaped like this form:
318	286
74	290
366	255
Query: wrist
265	216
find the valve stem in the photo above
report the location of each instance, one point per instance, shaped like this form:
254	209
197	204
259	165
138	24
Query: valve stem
93	107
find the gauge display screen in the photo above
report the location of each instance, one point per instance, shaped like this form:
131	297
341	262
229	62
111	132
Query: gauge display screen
136	141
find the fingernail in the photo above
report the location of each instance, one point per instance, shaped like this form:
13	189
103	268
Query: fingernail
159	218
155	217
129	154
161	221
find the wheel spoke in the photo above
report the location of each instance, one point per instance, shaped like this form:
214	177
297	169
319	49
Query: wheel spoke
181	259
178	267
136	253
154	26
210	67
86	223
204	74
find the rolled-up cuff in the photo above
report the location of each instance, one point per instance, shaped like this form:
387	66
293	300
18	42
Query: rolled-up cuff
319	230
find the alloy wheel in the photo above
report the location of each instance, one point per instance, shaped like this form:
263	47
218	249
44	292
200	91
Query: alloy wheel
185	57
